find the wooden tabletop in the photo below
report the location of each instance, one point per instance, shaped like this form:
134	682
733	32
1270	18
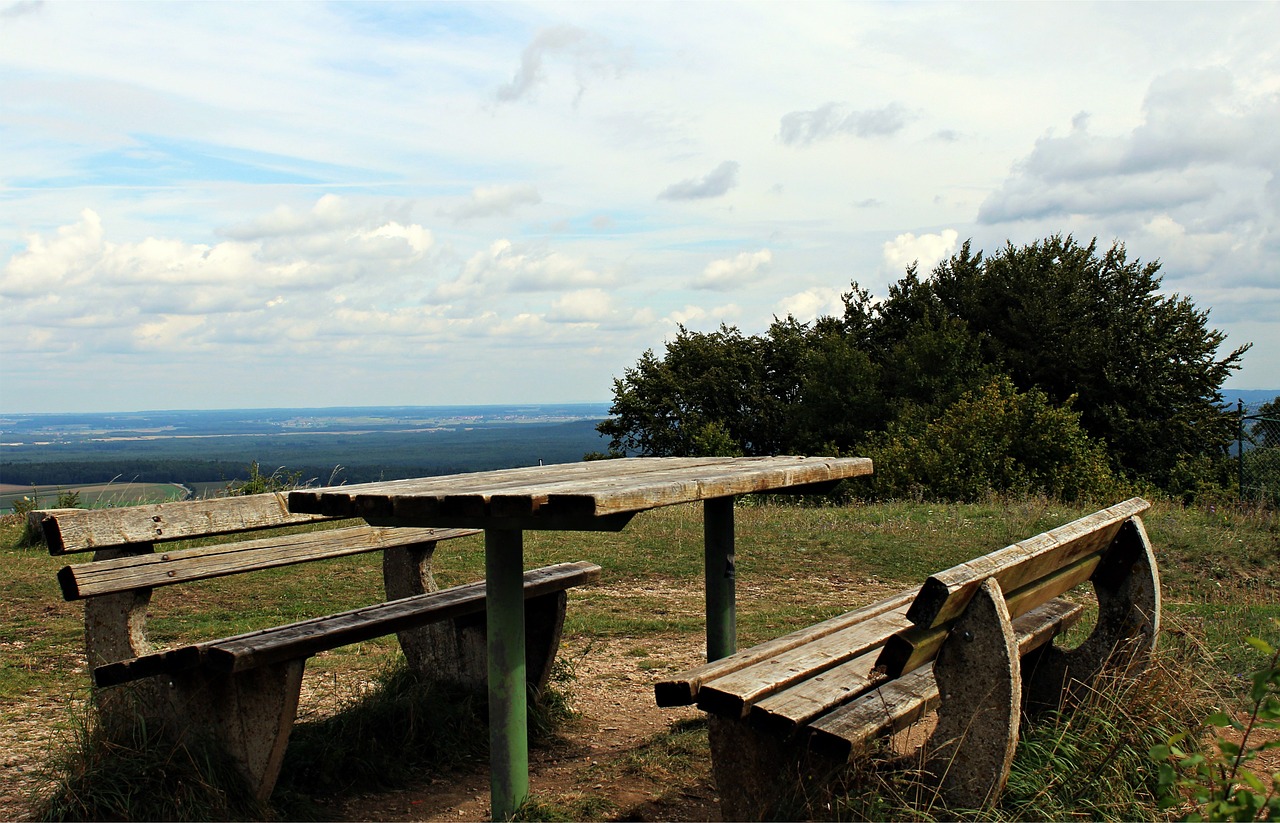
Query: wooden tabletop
572	493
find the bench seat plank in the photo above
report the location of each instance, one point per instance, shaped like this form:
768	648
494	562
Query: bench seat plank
308	637
903	700
167	568
735	693
785	713
684	689
82	530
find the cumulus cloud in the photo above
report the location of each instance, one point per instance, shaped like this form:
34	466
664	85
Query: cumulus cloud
1193	185
597	308
168	292
714	183
926	251
491	201
734	272
505	268
1197	128
810	304
800	128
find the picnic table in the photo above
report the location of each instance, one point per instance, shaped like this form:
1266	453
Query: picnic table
599	495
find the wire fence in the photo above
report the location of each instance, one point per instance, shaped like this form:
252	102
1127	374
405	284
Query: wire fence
1258	448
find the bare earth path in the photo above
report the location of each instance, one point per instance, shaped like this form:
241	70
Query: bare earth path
612	692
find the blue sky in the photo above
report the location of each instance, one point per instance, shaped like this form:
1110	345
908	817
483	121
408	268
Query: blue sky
209	205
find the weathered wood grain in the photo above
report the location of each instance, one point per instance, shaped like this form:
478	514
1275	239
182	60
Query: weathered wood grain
944	595
308	637
573	491
82	530
733	694
915	646
902	701
684	688
171	567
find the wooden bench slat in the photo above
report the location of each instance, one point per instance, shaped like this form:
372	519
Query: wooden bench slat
734	693
167	568
783	714
308	637
944	595
912	648
884	710
82	530
683	689
901	701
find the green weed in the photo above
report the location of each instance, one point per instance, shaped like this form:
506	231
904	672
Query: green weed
1216	780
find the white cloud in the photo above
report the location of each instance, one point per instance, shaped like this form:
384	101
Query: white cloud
344	178
800	128
715	183
589	55
488	201
734	272
505	268
810	304
925	251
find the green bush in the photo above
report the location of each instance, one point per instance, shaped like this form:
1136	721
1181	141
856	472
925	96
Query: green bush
994	440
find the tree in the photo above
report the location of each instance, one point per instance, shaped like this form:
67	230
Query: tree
1059	316
1065	325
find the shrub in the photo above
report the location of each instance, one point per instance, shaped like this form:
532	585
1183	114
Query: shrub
996	439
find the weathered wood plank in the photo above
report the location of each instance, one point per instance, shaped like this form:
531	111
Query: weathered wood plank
383	498
904	700
575	490
167	568
82	530
913	647
676	488
733	695
944	595
308	637
683	689
784	713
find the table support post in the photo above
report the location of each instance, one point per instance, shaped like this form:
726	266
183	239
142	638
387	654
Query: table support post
508	711
722	626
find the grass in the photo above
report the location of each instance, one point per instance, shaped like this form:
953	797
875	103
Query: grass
796	565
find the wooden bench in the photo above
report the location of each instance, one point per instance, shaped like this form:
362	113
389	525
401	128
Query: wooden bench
974	642
243	690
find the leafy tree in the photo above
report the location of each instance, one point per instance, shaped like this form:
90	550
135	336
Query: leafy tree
1070	321
1056	325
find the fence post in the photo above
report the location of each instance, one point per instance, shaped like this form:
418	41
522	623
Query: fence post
1240	446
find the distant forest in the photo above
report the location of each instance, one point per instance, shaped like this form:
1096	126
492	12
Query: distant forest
342	458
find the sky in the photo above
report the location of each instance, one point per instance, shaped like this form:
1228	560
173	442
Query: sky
245	205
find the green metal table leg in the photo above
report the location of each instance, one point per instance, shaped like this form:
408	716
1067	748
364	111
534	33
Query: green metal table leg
508	713
722	625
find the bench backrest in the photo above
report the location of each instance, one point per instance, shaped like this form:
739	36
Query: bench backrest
1029	573
83	530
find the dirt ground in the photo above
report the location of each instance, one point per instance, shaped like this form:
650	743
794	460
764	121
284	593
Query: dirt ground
612	692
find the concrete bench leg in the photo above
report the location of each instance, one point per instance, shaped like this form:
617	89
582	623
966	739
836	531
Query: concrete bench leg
249	714
979	682
455	651
115	628
760	775
1127	585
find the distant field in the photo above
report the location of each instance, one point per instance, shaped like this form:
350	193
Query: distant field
95	495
